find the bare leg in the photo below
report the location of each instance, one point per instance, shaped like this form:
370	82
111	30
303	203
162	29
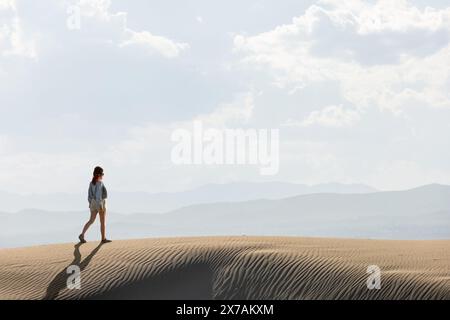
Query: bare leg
102	214
89	223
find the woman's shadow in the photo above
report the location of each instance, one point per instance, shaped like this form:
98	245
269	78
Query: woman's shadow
60	281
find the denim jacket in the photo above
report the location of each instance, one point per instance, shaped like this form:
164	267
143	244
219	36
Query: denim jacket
97	192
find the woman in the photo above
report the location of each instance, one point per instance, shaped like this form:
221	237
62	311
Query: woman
97	195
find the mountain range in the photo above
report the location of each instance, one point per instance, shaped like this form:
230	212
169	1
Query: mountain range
420	213
133	202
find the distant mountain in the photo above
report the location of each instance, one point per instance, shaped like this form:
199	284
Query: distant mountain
162	202
416	213
421	213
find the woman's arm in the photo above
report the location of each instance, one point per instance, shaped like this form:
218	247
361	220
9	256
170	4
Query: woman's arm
104	192
90	196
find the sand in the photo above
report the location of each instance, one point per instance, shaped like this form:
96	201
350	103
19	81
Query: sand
229	268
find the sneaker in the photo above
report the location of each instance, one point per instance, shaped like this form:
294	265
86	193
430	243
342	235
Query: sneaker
106	241
82	240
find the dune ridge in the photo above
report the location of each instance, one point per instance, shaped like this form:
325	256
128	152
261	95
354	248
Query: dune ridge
229	268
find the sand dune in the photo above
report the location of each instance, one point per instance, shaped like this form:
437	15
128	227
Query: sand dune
229	268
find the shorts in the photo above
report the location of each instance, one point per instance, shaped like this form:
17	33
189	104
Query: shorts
97	207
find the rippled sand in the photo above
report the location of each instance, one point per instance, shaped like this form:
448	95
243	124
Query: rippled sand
229	268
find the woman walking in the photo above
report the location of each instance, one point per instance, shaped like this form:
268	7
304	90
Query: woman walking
97	196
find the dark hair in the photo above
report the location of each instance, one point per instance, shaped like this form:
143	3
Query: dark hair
98	172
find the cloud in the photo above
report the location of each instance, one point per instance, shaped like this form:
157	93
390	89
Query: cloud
331	116
237	112
93	20
162	45
153	140
111	93
13	41
41	171
123	36
143	140
148	147
380	54
385	15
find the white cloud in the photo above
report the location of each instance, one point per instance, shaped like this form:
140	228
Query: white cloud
237	112
7	4
101	95
331	116
142	144
149	146
13	41
100	10
162	45
97	22
154	139
387	15
380	54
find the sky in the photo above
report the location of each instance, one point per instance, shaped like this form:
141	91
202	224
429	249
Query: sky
359	90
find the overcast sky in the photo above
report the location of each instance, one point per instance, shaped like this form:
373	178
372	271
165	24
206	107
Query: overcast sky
359	90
